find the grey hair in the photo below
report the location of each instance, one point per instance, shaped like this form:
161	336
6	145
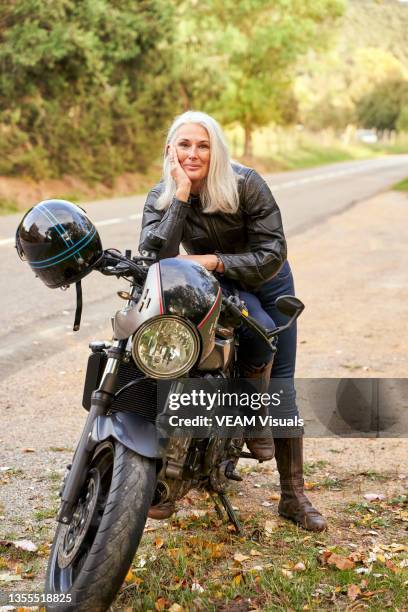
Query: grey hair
219	192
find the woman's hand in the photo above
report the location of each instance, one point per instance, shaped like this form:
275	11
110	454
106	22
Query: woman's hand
183	183
210	262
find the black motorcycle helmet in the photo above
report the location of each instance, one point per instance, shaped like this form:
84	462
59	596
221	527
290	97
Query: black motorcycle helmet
59	242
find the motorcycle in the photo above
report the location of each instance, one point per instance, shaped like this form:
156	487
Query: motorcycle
176	324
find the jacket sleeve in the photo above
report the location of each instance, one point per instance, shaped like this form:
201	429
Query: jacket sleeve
266	239
162	229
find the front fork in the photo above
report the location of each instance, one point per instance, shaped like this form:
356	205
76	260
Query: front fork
101	401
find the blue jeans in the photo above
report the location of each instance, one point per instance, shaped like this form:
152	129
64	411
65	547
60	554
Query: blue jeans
261	306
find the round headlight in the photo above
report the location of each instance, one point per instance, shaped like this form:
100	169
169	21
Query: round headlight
166	347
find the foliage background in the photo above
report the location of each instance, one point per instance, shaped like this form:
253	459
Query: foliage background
87	89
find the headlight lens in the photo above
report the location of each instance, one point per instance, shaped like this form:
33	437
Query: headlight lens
166	347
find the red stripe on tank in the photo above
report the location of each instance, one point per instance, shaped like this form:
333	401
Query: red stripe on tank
209	313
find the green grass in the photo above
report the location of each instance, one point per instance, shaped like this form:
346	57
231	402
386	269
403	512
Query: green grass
8	206
201	553
310	157
47	513
310	467
402	185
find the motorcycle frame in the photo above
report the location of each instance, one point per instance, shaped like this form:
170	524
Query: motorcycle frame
132	430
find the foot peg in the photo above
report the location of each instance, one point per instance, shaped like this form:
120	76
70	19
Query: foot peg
230	472
245	455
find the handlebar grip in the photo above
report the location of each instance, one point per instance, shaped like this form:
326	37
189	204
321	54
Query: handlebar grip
248	321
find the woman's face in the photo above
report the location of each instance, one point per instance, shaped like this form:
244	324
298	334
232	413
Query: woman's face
193	151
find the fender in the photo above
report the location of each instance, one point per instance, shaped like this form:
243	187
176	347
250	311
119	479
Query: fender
132	430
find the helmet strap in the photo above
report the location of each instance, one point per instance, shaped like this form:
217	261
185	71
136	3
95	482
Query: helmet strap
78	311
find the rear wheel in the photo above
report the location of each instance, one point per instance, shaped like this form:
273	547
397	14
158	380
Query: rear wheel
91	556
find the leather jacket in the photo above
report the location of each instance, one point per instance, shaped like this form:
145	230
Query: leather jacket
250	242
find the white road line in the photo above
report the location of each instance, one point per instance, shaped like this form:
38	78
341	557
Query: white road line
109	222
114	221
277	187
6	241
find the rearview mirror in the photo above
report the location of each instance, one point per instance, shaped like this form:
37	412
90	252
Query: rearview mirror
289	305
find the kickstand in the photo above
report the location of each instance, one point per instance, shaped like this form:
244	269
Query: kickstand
230	511
217	506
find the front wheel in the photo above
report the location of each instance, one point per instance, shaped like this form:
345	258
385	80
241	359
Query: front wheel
91	556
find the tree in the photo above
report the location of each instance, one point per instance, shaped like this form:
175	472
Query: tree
402	122
368	47
81	85
255	45
381	107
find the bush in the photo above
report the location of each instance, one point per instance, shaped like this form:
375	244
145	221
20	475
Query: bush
81	86
402	121
381	108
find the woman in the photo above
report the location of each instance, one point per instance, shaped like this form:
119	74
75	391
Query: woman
227	220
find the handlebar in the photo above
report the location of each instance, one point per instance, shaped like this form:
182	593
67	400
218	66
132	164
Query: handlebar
288	305
113	263
230	306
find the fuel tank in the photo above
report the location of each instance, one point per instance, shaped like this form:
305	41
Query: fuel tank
176	287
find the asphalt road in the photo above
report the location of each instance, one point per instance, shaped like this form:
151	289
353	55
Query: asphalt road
37	322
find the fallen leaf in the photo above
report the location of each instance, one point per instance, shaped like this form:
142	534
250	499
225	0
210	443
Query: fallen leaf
240	558
356	555
310	485
270	527
353	591
398	547
391	566
342	563
404	563
23	544
26	545
371	593
237	579
287	573
266	504
299	567
129	577
374	496
28	450
161	604
255	553
175	608
274	496
216	550
132	579
159	542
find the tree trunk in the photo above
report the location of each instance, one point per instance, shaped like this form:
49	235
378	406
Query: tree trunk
185	97
248	141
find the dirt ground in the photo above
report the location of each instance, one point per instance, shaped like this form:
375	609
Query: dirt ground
351	272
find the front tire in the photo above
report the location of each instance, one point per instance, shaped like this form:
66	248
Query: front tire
90	557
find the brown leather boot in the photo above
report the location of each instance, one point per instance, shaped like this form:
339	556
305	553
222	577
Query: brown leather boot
293	503
261	448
